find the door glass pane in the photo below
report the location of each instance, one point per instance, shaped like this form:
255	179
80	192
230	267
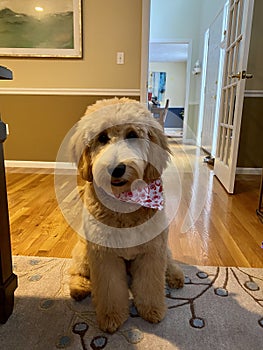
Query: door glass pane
232	115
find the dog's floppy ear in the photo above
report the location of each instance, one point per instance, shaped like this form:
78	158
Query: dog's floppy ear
157	136
81	157
158	156
84	165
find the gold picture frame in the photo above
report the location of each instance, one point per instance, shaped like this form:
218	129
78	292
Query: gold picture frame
53	29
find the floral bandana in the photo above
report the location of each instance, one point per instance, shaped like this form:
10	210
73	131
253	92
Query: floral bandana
150	195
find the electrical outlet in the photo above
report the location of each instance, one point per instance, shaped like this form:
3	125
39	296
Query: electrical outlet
120	57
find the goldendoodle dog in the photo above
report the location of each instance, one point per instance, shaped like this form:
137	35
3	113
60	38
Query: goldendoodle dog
121	153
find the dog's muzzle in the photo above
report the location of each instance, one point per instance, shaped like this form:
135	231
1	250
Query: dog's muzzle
116	174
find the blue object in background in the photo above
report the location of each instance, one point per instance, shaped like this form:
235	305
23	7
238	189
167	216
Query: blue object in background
174	118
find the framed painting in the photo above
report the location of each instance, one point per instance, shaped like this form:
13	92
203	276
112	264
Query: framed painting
44	28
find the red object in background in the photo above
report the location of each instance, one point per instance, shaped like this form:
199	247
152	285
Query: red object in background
150	96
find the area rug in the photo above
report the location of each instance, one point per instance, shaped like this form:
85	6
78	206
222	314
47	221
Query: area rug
218	308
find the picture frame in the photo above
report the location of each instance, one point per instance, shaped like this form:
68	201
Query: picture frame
53	28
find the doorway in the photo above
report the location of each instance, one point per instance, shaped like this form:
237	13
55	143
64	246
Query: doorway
172	60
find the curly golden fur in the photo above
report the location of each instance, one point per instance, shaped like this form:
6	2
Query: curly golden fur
118	133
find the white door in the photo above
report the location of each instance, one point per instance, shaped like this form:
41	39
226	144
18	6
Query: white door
211	84
236	55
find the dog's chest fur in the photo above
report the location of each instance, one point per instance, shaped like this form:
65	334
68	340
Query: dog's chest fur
101	210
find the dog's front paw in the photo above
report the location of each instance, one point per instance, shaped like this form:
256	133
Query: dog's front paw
175	278
153	314
111	322
80	287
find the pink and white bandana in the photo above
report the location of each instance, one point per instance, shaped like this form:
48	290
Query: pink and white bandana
150	196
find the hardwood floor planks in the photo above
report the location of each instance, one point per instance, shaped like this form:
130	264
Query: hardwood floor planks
225	230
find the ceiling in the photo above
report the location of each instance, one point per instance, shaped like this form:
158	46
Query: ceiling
168	52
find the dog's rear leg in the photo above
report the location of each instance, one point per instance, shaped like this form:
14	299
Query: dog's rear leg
174	274
80	285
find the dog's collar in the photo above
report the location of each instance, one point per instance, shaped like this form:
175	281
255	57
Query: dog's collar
149	196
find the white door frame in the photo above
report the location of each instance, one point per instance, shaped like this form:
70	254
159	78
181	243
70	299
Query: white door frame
187	87
146	13
202	95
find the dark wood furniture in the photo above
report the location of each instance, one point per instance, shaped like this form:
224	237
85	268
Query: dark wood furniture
8	280
260	201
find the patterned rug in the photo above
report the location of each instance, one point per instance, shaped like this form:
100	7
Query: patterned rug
218	308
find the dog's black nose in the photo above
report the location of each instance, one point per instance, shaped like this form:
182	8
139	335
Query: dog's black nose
118	171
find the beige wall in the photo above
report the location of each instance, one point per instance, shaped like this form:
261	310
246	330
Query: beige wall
38	123
175	80
192	124
108	27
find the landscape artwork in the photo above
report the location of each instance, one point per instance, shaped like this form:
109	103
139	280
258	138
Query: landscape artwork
44	28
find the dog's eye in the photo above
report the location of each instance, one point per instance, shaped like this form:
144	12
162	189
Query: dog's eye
132	135
103	138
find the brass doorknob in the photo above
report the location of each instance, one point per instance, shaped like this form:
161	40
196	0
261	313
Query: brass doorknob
248	76
236	75
241	75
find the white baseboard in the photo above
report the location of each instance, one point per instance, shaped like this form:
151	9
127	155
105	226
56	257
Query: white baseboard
173	129
40	165
254	93
71	166
248	171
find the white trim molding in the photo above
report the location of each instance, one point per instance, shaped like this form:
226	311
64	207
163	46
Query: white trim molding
73	91
70	166
248	171
253	93
40	165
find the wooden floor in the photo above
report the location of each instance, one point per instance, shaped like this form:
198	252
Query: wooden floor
219	229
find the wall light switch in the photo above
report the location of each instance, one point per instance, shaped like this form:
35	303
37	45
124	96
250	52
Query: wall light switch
120	57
